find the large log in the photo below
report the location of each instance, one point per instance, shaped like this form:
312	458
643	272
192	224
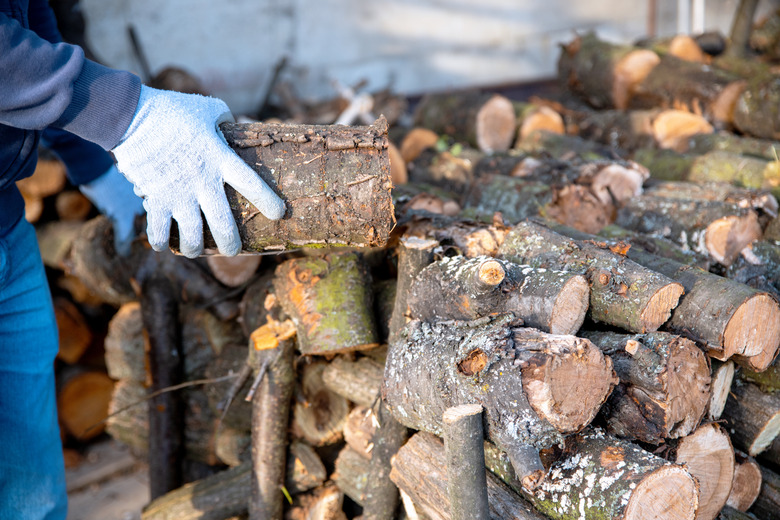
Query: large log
522	377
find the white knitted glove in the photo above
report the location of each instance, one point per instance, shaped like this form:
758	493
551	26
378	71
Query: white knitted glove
113	195
178	160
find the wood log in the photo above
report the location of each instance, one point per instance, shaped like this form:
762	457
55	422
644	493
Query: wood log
319	414
718	229
419	470
664	385
48	178
759	266
351	474
623	293
75	335
359	431
701	144
656	245
417	140
337	190
604	74
83	398
485	121
512	372
329	299
756	112
747	483
753	418
413	255
305	469
233	271
708	456
761	201
563	146
768	502
124	345
535	116
449	168
722	377
461	288
358	381
465	457
72	205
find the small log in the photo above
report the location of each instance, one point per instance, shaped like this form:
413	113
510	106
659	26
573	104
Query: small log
351	474
761	201
416	141
717	229
351	161
512	372
664	385
124	345
485	121
319	413
623	293
359	431
73	331
563	146
83	398
753	418
358	381
72	205
722	377
329	299
270	421
465	456
768	502
533	116
701	144
419	470
708	456
305	469
413	255
48	178
233	271
747	483
461	288
324	503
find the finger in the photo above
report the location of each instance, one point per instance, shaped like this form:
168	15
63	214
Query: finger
158	226
249	184
221	222
190	230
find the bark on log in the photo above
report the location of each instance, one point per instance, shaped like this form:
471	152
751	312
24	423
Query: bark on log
717	229
761	201
319	413
512	372
413	255
358	381
657	246
419	470
351	474
664	385
334	179
756	112
701	144
460	288
729	513
305	469
623	293
768	502
759	266
563	146
747	483
485	121
722	378
465	456
753	418
329	299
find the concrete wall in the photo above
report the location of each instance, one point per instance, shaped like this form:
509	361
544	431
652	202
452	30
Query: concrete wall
411	46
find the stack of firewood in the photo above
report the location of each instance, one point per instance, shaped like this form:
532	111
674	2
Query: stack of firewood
599	273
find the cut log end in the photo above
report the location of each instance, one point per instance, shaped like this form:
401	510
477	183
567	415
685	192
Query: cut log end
686	48
496	124
543	118
669	492
754	329
723	107
673	128
746	486
571	306
660	306
233	270
455	413
766	435
727	236
629	72
491	273
417	140
688	380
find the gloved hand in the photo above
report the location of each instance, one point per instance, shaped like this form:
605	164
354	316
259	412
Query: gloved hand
113	195
178	160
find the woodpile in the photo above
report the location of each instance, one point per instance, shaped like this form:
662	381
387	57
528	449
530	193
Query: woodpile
575	305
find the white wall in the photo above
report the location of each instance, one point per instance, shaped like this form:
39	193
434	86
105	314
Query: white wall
412	46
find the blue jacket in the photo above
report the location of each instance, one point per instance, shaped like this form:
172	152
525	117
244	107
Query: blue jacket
46	84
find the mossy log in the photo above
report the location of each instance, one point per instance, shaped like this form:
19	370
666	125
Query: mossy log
746	484
664	385
329	299
753	418
718	229
358	381
420	471
700	144
461	288
334	179
524	379
623	293
485	121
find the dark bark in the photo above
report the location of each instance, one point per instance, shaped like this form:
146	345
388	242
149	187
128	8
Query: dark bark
466	477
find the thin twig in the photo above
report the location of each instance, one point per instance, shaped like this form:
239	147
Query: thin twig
260	375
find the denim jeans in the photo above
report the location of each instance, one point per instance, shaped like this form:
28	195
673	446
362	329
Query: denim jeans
32	473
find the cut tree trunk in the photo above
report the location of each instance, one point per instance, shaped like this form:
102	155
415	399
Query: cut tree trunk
753	418
329	299
319	413
512	372
747	483
664	385
623	293
485	121
358	381
337	187
465	456
461	288
535	116
420	471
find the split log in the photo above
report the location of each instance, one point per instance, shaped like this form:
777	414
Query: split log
623	293
465	457
664	385
319	413
598	475
460	288
337	189
419	470
233	271
358	381
604	74
768	502
75	335
722	378
753	417
413	255
329	299
512	372
747	483
485	121
359	431
83	398
717	229
708	456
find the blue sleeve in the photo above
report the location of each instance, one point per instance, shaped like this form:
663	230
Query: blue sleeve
42	21
51	84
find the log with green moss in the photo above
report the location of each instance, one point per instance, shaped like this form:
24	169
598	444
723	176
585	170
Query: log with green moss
700	144
522	377
664	385
623	293
461	288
